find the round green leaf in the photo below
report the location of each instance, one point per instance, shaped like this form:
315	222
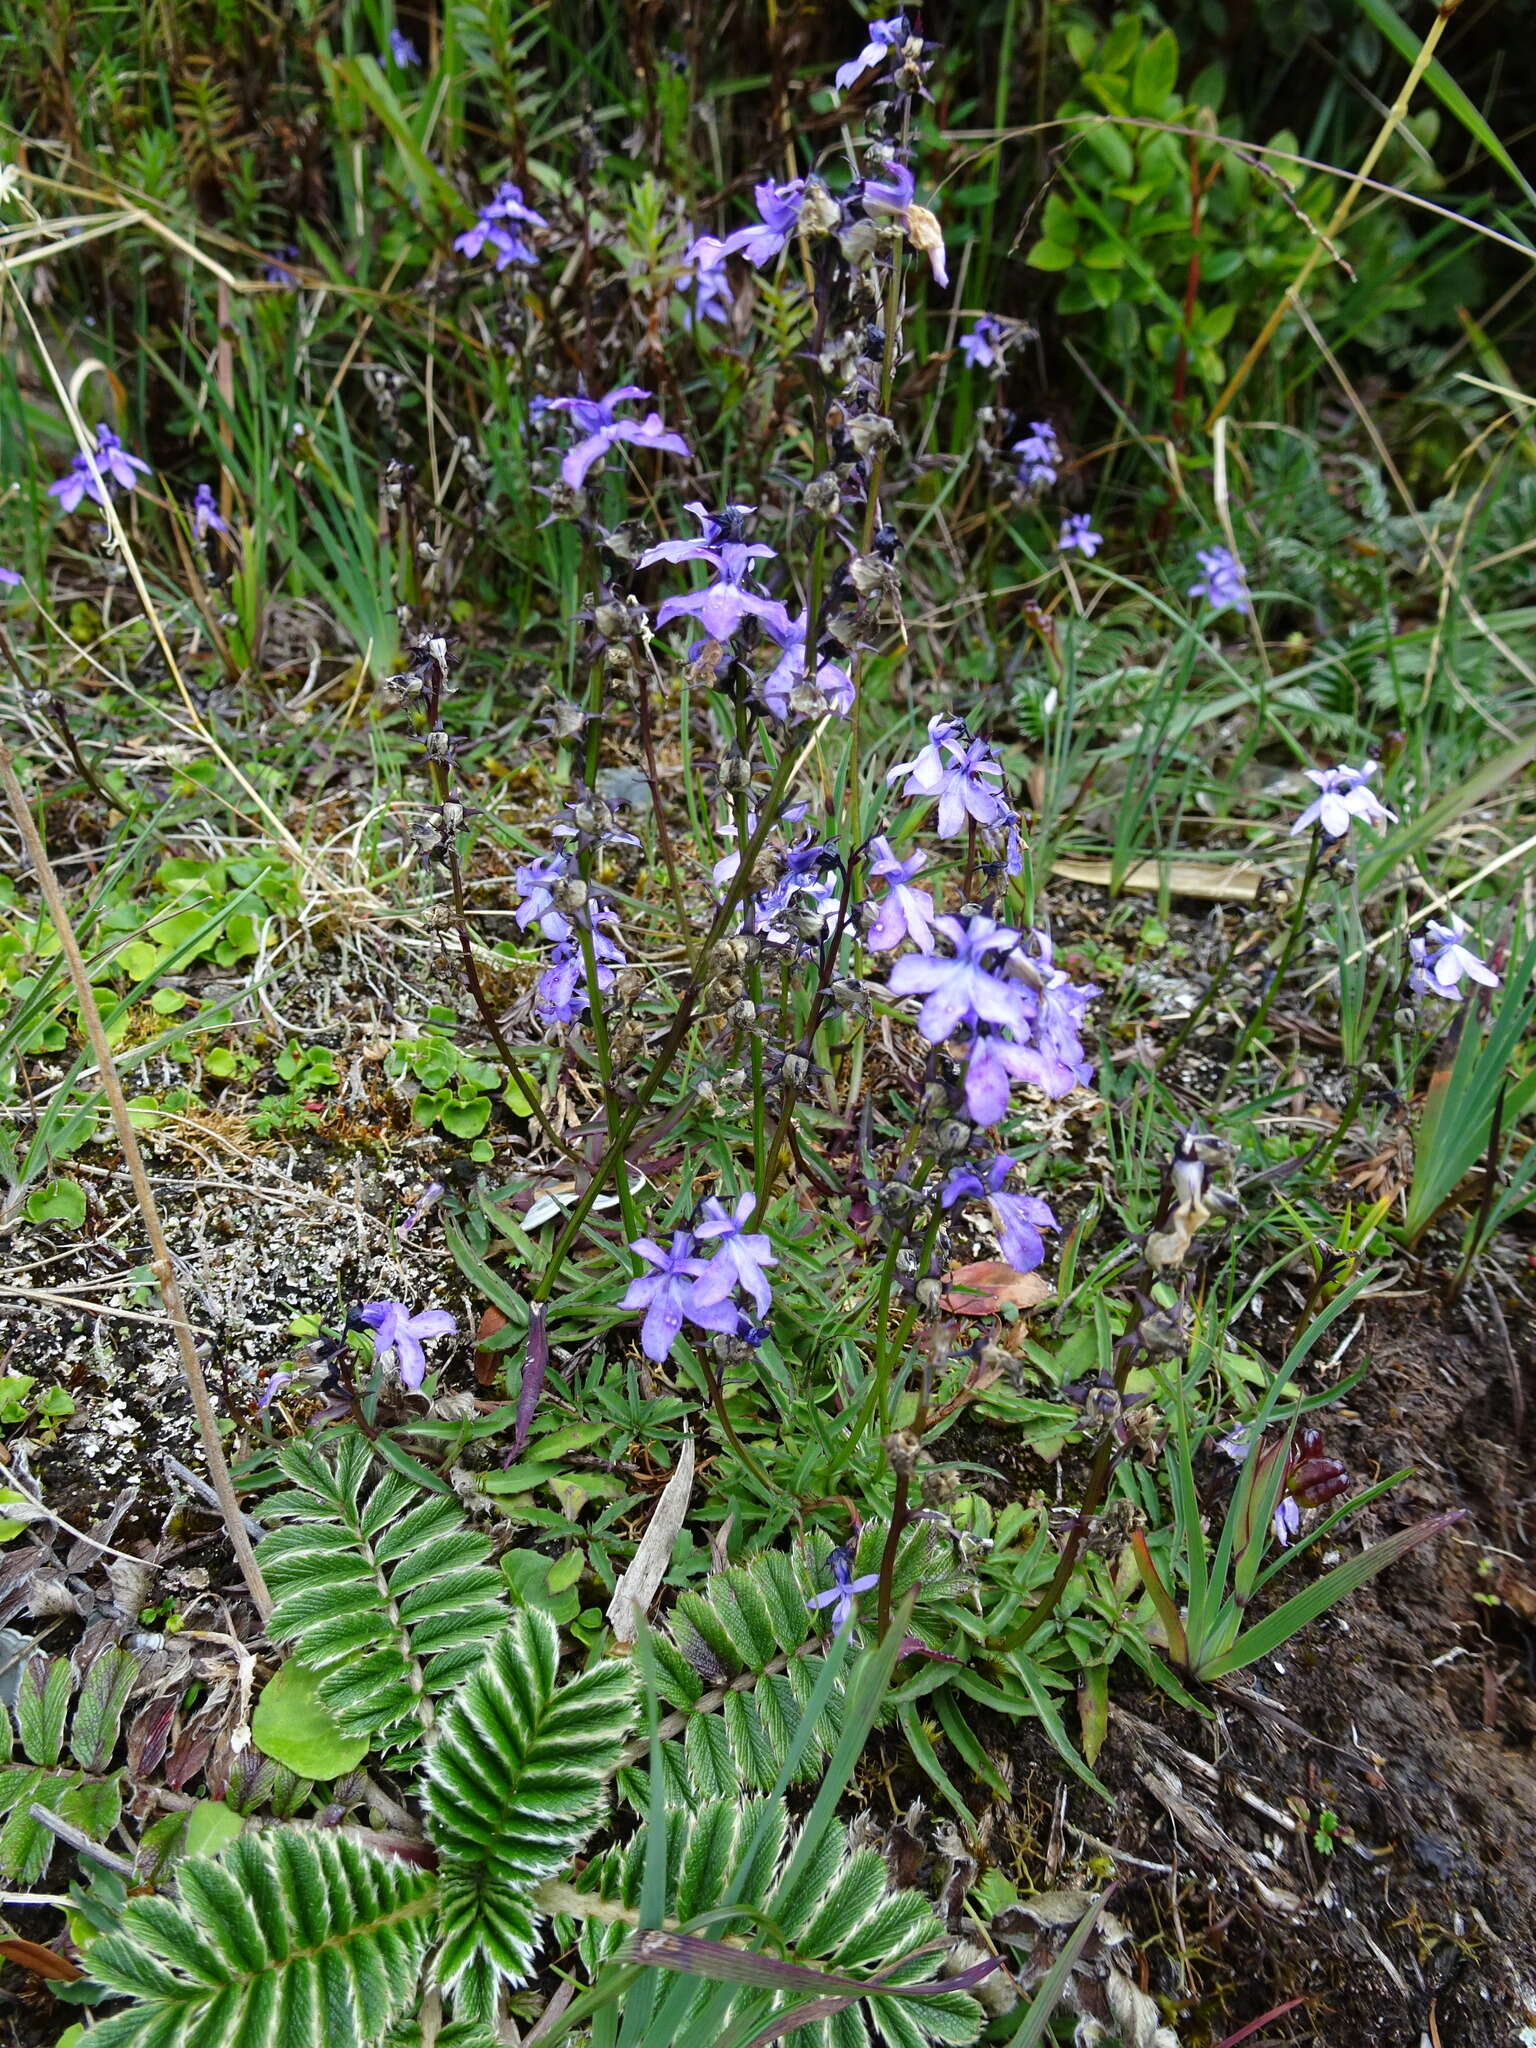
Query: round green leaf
293	1726
60	1201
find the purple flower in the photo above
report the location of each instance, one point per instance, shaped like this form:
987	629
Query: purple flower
275	1384
778	690
965	783
1345	797
721	606
205	513
561	995
9	578
600	430
1221	582
1237	1443
1287	1519
1019	1218
840	1595
740	1254
534	883
1077	532
983	346
884	36
277	272
905	913
93	476
396	1330
704	282
1441	961
893	195
402	52
1039	456
669	1296
494	226
959	987
778	208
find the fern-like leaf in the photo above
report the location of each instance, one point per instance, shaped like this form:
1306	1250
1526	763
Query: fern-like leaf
291	1936
382	1590
515	1782
839	1914
739	1667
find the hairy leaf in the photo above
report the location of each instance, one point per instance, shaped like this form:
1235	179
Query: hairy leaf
515	1782
292	1935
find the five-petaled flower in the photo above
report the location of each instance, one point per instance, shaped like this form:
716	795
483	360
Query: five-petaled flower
396	1330
778	208
497	225
1077	532
740	1254
93	476
669	1296
960	988
1221	582
905	913
601	428
786	689
1345	795
1441	962
1019	1218
844	1589
983	346
704	282
1039	456
884	36
961	772
206	518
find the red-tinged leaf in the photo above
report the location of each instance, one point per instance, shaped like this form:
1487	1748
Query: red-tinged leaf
488	1363
188	1757
914	1646
988	1287
42	1962
535	1365
149	1734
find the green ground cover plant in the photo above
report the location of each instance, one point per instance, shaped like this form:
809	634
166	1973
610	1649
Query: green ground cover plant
836	740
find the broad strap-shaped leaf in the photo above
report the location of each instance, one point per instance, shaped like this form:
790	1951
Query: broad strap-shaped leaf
384	1591
515	1781
292	1935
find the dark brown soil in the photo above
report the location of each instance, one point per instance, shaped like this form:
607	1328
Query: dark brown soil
1407	1713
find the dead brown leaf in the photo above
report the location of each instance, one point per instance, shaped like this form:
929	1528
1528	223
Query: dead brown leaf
988	1287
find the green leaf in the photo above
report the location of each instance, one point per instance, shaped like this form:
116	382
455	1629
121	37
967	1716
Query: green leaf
1155	73
60	1201
42	1702
1303	1607
212	1826
1390	24
99	1710
293	1935
293	1725
465	1116
1050	256
515	1783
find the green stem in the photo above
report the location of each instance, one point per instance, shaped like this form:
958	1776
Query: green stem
671	1043
604	1054
1256	1022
